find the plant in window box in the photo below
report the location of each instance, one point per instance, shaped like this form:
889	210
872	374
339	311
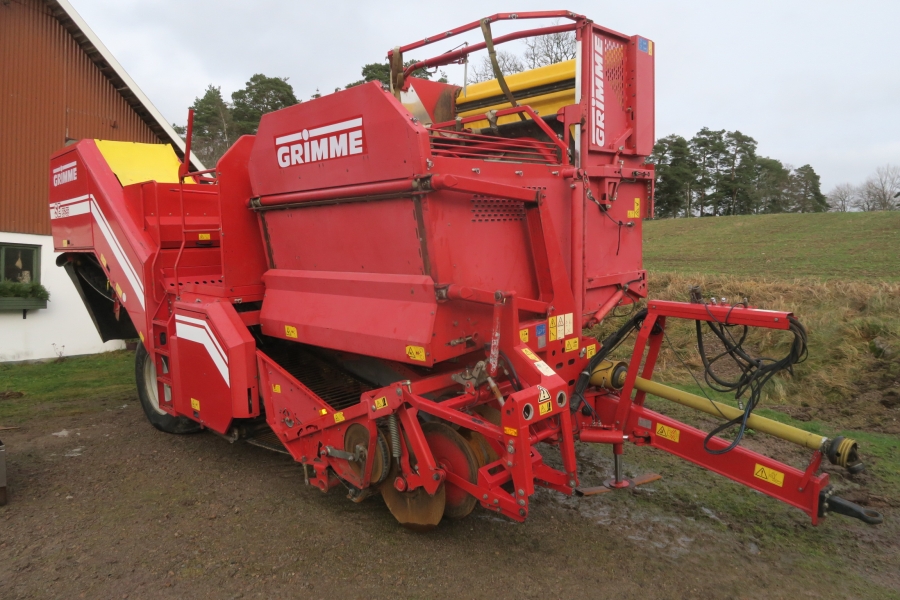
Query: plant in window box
16	295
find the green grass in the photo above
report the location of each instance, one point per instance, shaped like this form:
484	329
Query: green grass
845	246
63	386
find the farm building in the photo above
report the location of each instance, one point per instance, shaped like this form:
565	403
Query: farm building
58	84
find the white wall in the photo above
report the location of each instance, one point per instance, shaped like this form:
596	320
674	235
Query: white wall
65	322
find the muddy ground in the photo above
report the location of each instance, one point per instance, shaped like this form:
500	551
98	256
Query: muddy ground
115	509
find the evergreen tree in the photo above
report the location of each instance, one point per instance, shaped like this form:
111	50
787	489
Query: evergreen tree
675	176
214	129
806	193
261	95
737	184
710	154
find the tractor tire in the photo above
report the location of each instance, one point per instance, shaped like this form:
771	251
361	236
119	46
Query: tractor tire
145	377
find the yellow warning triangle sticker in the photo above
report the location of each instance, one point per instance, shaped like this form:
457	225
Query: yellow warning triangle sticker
761	473
661	430
545	395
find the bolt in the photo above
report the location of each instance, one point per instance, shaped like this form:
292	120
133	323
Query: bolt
521	512
521	502
484	497
571	483
510	449
521	492
373	407
435	476
508	463
399	392
496	501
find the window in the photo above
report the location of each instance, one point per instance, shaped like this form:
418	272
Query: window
20	263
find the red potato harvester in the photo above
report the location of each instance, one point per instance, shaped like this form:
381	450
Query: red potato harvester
391	284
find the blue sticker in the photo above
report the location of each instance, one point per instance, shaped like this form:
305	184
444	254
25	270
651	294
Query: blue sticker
643	45
541	329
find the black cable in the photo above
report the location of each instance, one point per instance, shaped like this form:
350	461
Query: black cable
755	372
609	344
517	383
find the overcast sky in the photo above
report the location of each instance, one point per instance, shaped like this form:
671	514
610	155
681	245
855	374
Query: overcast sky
813	82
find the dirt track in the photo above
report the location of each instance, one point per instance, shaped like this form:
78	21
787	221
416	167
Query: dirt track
116	509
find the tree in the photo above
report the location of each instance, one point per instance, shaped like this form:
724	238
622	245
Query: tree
843	197
382	72
880	190
484	71
709	150
549	49
260	96
772	183
737	184
214	129
806	193
676	172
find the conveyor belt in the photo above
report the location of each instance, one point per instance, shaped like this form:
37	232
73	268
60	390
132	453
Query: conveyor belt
333	385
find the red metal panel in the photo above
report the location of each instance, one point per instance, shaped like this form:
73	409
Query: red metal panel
360	135
373	314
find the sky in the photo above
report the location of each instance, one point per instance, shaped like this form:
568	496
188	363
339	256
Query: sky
813	82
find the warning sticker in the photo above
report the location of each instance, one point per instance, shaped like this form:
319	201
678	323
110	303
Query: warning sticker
323	411
523	335
290	331
544	368
572	344
103	260
527	352
560	327
511	431
544	394
338	417
771	475
195	404
203	236
636	213
669	433
118	290
545	407
416	353
570	324
276	388
552	325
590	350
380	403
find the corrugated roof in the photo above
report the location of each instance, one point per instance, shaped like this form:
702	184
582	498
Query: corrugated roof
100	55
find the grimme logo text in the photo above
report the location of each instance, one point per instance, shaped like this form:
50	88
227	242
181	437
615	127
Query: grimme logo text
321	143
65	174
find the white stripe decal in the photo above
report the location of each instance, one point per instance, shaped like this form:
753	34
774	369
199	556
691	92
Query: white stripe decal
103	225
64	167
205	325
311	133
200	335
117	250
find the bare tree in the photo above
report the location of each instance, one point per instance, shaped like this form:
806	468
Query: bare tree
484	71
843	197
550	49
882	188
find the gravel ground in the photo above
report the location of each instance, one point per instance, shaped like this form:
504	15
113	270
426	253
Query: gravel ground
104	506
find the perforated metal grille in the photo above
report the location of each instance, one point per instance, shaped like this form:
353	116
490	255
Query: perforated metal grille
488	210
614	68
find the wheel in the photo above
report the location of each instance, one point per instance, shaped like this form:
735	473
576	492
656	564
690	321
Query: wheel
453	454
358	434
148	392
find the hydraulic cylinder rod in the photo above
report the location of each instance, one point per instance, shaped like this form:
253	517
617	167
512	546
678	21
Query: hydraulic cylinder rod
717	409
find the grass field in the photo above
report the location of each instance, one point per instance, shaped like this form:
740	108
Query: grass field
839	246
